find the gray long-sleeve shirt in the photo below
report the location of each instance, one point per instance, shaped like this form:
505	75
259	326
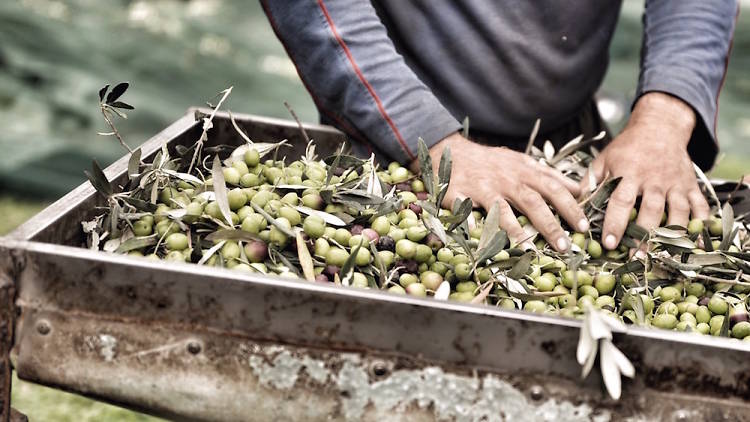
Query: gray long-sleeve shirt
389	74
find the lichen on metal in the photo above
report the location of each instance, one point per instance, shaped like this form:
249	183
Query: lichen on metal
449	396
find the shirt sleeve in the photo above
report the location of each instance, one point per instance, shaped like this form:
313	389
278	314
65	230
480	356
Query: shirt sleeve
356	77
685	52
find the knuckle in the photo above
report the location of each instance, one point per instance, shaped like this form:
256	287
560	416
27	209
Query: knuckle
622	198
528	197
550	226
652	204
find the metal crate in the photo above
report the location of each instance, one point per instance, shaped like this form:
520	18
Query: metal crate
191	342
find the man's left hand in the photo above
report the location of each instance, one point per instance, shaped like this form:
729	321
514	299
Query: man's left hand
651	157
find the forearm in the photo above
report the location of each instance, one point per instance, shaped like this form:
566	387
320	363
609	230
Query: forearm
665	111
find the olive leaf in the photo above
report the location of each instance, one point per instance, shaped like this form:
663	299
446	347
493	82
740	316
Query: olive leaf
139	204
99	180
634	299
137	243
103	92
425	166
348	268
491	225
117	92
231	234
494	246
305	260
134	163
444	175
433	224
463	212
220	190
382	271
327	217
207	255
724	331
727	224
634	266
465	130
522	266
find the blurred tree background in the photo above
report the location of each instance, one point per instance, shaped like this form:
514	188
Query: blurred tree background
55	55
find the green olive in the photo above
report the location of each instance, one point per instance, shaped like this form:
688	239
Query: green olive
703	328
363	256
462	271
717	305
252	157
465	297
249	180
741	329
397	289
175	256
381	225
695	226
501	256
689	318
321	247
312	200
416	233
604	283
605	300
230	250
422	253
545	282
594	249
588	291
336	256
386	257
578	239
278	237
405	248
236	198
715	227
568	278
670	293
177	241
142	228
444	255
291	214
668	308
314	226
666	321
416	289
536	306
342	236
406	279
231	176
254	223
399	175
166	227
695	289
431	280
702	314
407	197
261	198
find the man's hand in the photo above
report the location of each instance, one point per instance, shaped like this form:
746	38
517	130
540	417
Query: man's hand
651	157
491	174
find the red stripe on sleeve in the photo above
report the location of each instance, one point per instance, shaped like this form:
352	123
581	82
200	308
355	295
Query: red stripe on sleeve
364	81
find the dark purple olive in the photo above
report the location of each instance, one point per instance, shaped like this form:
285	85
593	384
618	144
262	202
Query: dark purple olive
331	270
422	196
703	301
386	243
407	266
433	241
322	278
403	187
338	171
256	251
356	229
416	208
738	316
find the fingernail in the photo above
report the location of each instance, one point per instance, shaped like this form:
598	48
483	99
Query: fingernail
527	246
610	242
583	225
562	244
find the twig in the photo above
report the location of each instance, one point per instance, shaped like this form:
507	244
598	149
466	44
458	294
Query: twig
532	136
114	129
207	124
299	123
722	280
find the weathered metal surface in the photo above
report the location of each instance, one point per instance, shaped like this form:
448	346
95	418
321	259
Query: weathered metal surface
211	344
7	314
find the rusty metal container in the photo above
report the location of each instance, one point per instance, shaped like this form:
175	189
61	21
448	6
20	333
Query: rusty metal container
197	343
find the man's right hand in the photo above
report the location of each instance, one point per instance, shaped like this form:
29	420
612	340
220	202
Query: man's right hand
496	174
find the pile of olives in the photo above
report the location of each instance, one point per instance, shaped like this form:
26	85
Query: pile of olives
398	247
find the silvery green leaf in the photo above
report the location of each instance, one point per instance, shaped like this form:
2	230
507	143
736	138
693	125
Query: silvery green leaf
623	363
177	213
482	294
347	270
614	324
220	190
668	233
465	131
709	258
682	242
231	234
444	175
521	267
239	131
598	328
305	260
425	166
134	164
494	246
532	136
183	176
293	187
610	370
434	225
382	271
443	291
636	302
491	225
689	273
462	213
727	226
136	243
706	183
263	148
590	359
585	344
111	245
207	255
374	187
207	195
98	179
328	218
549	150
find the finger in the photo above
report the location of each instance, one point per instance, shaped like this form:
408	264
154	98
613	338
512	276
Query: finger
509	222
563	201
698	204
597	169
618	213
533	206
678	208
652	208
